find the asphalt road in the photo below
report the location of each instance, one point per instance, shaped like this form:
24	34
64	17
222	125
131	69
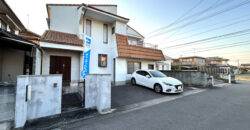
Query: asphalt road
216	109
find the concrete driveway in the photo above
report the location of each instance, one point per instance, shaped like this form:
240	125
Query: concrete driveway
131	94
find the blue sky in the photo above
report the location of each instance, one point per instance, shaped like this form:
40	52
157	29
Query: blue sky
148	15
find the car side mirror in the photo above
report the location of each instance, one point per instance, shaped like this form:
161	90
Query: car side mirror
148	76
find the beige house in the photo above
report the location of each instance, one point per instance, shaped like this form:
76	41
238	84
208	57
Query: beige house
191	62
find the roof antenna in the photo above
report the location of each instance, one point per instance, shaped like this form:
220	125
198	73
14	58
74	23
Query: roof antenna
28	16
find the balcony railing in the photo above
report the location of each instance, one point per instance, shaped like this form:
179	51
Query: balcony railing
149	45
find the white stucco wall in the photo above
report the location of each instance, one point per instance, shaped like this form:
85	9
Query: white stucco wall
133	33
121	28
12	64
111	9
121	68
1	62
64	19
75	62
45	97
98	47
38	62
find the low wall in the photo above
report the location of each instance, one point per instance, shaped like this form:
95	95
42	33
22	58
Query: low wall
98	91
225	76
44	100
7	106
191	78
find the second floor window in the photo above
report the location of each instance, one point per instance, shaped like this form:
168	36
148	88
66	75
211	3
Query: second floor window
88	27
3	25
105	33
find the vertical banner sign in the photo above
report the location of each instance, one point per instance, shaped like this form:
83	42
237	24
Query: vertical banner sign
86	58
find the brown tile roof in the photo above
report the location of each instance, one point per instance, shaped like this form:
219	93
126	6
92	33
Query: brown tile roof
61	38
129	51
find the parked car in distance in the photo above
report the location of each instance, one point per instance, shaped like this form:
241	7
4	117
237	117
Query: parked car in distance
157	81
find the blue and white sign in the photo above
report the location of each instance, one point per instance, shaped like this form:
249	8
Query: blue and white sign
86	59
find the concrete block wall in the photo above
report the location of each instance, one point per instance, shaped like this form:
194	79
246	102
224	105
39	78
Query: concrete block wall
7	109
46	94
191	78
98	91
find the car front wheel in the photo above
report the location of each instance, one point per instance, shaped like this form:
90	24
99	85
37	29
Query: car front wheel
158	88
133	82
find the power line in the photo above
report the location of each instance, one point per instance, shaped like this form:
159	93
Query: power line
176	31
187	18
204	18
227	20
207	31
220	48
212	47
211	38
179	19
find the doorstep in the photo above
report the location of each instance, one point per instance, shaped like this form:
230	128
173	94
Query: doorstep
60	120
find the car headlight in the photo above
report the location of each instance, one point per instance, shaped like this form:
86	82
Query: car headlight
168	84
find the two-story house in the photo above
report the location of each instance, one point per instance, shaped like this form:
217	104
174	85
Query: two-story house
16	52
192	62
115	48
245	66
17	57
216	61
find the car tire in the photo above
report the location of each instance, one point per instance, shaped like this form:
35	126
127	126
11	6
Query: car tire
158	88
133	81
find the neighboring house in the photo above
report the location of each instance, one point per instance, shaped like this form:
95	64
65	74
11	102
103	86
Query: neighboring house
192	62
30	36
17	57
245	66
16	53
164	65
216	61
220	64
116	48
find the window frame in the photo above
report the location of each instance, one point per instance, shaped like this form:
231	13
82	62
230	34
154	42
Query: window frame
90	32
3	23
113	30
107	26
133	66
99	60
152	65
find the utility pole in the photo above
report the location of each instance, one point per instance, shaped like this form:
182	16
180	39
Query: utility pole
180	63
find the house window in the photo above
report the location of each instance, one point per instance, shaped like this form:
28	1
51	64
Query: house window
12	30
133	66
105	33
132	42
150	66
102	60
113	30
3	25
88	27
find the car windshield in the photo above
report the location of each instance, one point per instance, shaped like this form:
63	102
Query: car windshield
157	74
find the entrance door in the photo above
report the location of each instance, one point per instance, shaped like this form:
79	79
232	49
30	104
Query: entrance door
61	65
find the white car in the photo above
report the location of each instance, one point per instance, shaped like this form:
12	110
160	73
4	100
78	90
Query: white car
157	81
